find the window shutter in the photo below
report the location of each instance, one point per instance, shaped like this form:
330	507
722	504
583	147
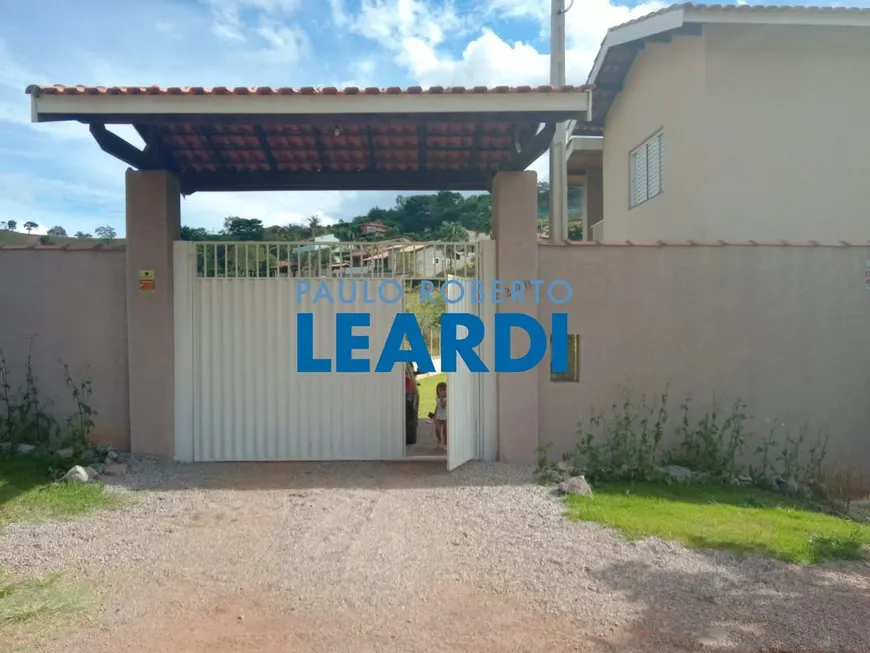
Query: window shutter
661	141
638	176
654	167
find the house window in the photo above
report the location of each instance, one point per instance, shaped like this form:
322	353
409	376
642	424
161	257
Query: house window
646	176
573	373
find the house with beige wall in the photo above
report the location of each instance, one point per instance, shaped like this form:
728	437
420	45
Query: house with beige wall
730	123
203	363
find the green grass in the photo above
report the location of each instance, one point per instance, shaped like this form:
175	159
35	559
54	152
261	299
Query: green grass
27	600
28	491
427	394
33	611
740	520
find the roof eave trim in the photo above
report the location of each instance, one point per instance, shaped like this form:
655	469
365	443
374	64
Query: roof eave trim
791	16
45	106
634	32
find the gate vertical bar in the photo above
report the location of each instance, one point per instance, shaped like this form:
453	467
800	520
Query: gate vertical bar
184	281
486	271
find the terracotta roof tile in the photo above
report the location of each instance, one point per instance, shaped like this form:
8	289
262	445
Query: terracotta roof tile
745	9
60	89
245	152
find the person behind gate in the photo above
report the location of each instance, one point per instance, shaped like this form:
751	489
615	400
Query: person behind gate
441	414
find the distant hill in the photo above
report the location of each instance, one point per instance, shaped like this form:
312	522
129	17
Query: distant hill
18	238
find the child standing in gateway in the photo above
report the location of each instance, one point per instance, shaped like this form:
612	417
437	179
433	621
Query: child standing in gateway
441	414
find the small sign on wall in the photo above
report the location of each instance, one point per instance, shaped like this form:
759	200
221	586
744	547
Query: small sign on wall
146	280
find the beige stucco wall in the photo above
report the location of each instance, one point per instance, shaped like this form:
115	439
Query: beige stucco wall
783	328
760	126
664	90
73	304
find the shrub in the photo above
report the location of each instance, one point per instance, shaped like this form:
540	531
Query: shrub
624	444
712	445
628	444
25	416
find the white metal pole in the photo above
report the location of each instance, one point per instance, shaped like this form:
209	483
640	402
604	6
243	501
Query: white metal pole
558	163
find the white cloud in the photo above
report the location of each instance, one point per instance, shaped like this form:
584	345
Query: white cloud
340	17
288	44
228	20
487	61
415	31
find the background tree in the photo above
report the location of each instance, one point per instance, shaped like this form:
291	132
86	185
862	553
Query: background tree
244	228
11	225
30	225
105	233
415	217
314	225
453	232
57	232
82	234
196	233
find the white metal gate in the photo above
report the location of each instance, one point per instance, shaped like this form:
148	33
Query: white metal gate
463	387
238	394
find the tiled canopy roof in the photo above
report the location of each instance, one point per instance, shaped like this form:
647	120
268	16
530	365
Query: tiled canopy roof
456	150
345	146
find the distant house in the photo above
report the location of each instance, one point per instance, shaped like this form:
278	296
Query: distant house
423	260
475	236
328	238
417	260
375	228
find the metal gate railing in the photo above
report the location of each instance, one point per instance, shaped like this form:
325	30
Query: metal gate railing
317	260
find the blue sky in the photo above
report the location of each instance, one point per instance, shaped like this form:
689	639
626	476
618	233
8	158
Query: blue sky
54	174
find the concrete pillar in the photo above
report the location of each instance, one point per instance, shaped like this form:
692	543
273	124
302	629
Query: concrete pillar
153	223
594	200
514	224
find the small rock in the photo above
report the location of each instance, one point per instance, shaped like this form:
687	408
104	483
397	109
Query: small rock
64	453
792	486
77	474
6	446
111	456
99	468
576	485
93	475
116	469
744	479
88	455
25	448
678	473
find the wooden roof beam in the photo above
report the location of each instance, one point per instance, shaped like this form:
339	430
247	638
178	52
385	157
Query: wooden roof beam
113	144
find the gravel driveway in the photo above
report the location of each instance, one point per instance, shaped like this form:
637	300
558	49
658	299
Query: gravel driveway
401	557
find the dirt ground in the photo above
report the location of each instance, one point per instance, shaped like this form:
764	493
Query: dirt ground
404	557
